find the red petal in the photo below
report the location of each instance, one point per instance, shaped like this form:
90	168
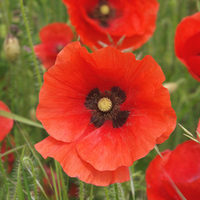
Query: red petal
186	43
56	33
170	116
46	53
154	177
62	96
6	124
127	68
193	63
74	166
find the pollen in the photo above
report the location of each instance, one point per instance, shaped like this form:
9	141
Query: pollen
105	9
105	104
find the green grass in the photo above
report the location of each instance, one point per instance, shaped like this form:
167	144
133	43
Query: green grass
20	82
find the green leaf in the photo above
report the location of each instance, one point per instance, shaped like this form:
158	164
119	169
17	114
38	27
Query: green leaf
19	119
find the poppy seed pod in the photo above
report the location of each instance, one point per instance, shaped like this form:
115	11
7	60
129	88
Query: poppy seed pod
11	47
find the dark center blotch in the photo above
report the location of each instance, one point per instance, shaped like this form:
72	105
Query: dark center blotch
102	12
106	106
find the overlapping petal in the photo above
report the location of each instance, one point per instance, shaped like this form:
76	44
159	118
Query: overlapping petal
74	166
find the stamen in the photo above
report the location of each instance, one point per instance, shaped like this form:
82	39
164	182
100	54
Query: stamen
105	9
105	104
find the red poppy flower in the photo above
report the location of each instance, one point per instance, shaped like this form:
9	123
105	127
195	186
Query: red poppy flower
10	158
94	20
103	111
187	44
5	123
53	37
180	167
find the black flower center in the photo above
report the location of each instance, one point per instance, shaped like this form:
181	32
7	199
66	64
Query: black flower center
106	106
102	12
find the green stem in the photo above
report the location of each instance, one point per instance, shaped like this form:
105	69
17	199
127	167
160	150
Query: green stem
26	182
132	184
64	189
58	178
18	118
19	192
106	192
12	150
54	184
91	192
121	191
24	135
5	180
81	193
3	9
31	44
36	181
116	192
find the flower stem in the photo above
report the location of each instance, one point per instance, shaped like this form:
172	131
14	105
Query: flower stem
31	44
132	184
106	192
81	193
91	192
116	192
5	180
4	8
